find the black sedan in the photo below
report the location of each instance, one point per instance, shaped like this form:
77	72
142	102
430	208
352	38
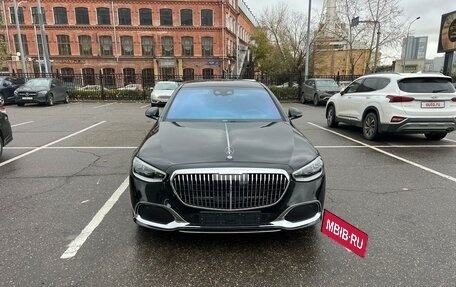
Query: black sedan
7	87
224	157
6	135
42	90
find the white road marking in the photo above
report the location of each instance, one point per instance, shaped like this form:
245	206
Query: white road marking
449	140
387	146
388	154
77	243
97	107
49	144
145	106
21	124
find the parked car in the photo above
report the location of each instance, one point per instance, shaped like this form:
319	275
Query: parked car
6	135
396	103
92	88
287	84
318	90
72	86
224	156
7	87
162	92
42	90
131	87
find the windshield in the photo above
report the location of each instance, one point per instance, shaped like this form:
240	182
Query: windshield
326	84
38	83
166	86
426	85
223	103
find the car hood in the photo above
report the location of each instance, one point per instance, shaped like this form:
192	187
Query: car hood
330	90
32	89
160	93
185	143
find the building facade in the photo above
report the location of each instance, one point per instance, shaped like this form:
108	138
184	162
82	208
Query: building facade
414	48
153	39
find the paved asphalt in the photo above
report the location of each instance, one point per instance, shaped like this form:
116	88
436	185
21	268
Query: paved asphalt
402	193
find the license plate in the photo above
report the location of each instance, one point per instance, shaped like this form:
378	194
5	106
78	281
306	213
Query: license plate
432	105
230	219
27	98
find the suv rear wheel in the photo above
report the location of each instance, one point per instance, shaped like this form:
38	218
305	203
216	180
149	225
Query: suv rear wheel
435	136
331	117
370	126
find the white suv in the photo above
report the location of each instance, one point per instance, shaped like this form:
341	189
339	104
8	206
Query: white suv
396	103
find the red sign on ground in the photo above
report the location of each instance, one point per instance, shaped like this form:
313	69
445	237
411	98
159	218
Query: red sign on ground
344	233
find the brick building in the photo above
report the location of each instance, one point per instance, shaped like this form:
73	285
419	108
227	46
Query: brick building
152	39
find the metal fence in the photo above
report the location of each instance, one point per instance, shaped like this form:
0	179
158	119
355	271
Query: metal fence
138	87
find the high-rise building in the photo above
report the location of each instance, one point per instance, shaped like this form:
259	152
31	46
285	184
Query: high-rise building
154	39
416	48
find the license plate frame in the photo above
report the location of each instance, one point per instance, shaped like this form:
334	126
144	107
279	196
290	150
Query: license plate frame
432	104
251	218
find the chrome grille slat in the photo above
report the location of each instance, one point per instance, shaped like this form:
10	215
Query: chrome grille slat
230	190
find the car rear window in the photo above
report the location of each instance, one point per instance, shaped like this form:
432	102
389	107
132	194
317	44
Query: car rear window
223	103
426	85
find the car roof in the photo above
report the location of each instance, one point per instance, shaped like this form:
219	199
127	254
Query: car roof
399	76
319	79
224	83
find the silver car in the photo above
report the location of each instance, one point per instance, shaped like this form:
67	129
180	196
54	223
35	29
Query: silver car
162	92
318	90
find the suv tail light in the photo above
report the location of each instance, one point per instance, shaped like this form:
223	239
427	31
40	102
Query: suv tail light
399	99
2	110
397	119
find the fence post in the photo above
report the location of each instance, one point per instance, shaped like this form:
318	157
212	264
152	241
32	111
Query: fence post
102	86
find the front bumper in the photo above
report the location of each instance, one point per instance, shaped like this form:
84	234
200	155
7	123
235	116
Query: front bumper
156	206
421	125
39	98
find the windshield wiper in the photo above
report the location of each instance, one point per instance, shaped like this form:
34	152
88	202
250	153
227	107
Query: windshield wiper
439	91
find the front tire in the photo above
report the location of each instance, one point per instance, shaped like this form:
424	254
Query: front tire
2	100
303	99
370	126
331	117
316	100
435	136
50	100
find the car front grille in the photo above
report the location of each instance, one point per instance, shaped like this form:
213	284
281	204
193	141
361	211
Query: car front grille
231	188
27	94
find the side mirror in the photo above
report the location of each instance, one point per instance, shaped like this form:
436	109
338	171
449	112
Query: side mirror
294	113
52	85
152	113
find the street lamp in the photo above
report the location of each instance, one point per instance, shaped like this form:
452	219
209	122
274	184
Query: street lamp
406	44
19	36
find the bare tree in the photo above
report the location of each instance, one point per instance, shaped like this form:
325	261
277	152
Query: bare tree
287	32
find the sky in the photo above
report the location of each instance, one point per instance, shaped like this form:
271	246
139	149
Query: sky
430	12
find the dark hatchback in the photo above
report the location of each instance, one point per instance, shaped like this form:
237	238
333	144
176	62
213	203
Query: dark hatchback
224	157
7	87
6	134
42	90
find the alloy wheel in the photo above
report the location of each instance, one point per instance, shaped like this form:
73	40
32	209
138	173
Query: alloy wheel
370	126
2	100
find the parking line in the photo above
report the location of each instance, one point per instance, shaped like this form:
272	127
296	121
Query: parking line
21	124
388	154
77	243
49	144
388	146
105	105
450	140
145	106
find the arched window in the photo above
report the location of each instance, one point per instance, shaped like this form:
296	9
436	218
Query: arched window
60	16
129	76
109	78
207	45
167	46
126	43
208	73
88	76
187	46
147	78
67	74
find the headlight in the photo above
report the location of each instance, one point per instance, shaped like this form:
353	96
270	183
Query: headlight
147	172
153	95
309	172
15	92
42	92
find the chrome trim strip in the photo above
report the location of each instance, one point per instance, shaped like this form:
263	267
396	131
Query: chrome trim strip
224	172
181	225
